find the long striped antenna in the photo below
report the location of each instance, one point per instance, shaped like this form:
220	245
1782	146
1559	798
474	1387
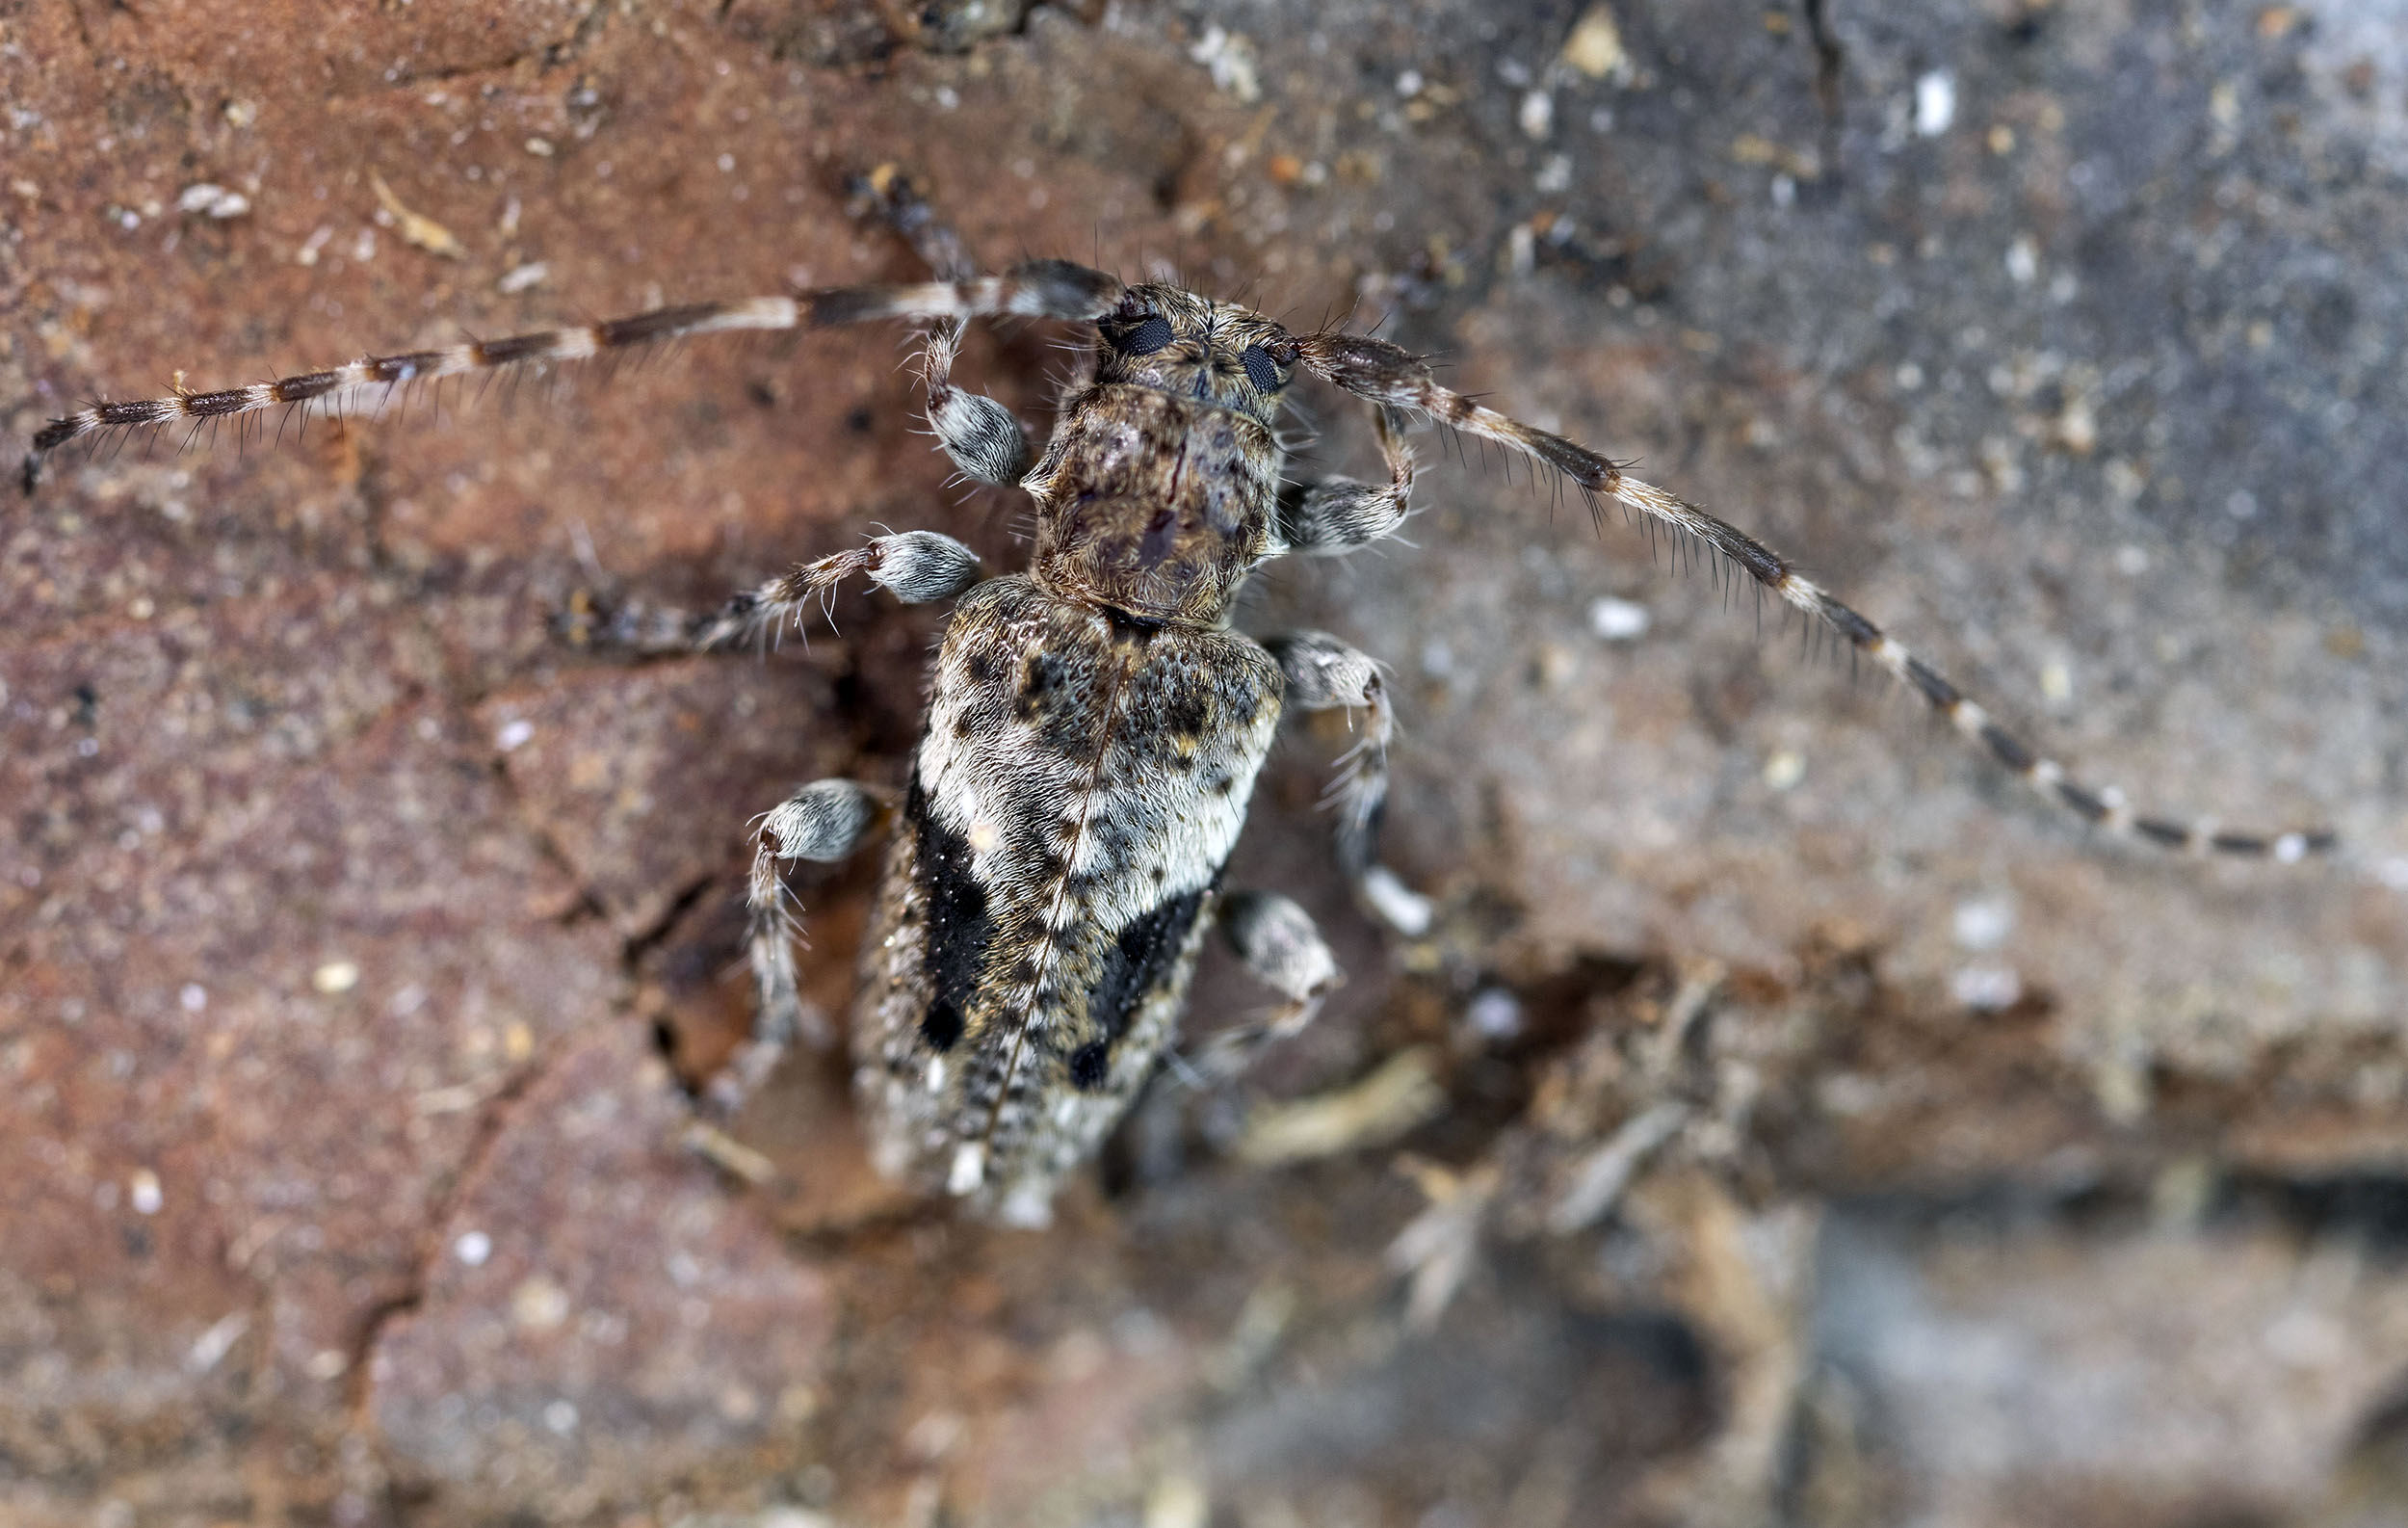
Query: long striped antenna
1391	376
1035	289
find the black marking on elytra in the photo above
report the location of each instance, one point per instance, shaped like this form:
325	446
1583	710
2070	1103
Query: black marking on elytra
1040	675
1186	714
941	1025
960	926
1089	1065
1141	956
2173	835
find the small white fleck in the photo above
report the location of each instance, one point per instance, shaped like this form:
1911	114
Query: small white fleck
1935	103
518	279
969	1168
2394	872
561	1417
1846	1094
947	99
1405	909
539	1304
1785	769
1595	46
1522	250
212	200
1987	988
193	997
726	163
513	735
2057	681
1177	1501
336	975
1230	56
473	1248
214	1344
2242	505
541	147
1555	176
143	1190
1983	923
1618	620
1409	84
2022	260
1784	192
328	1363
1493	1014
2131	561
1027	1208
1537	115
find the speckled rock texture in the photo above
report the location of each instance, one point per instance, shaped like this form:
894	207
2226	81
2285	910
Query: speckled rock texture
1785	1118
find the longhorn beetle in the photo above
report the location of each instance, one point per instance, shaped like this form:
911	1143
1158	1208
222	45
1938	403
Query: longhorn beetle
1094	726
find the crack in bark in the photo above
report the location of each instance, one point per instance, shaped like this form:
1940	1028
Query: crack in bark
492	1125
1830	58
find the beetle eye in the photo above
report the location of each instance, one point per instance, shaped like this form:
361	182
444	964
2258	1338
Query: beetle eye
1260	369
1146	338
